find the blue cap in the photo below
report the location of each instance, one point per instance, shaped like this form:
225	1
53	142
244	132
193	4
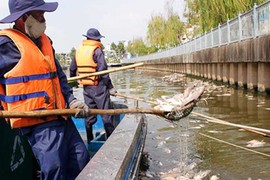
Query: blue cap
17	8
94	34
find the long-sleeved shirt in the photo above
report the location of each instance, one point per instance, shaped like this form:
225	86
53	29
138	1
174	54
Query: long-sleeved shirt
98	57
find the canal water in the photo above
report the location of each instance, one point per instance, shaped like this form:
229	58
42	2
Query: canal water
194	148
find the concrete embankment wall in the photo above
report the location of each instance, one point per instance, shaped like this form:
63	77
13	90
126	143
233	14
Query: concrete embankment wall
244	64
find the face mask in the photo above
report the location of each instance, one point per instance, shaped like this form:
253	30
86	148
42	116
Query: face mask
33	27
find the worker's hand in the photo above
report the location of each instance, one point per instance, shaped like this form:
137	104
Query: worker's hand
82	108
113	92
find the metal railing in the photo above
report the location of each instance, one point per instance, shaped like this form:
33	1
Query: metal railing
252	24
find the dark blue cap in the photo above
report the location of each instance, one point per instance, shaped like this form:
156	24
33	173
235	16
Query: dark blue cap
17	8
94	34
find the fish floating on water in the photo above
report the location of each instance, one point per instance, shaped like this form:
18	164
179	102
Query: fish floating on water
255	143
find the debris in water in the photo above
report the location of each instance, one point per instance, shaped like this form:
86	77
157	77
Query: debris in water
214	177
167	150
215	132
255	143
184	172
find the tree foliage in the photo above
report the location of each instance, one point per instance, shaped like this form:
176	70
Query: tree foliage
119	49
113	46
155	33
174	29
165	32
207	14
137	47
72	52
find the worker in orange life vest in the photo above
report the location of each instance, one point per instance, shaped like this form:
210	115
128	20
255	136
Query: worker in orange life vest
32	79
89	58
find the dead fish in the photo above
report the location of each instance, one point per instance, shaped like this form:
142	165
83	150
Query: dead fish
158	137
214	177
164	107
201	174
167	150
174	101
214	132
194	94
168	104
187	91
254	143
161	144
226	94
184	172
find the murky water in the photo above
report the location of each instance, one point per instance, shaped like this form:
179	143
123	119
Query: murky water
195	148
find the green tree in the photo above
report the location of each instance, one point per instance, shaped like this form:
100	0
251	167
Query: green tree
72	52
155	32
137	47
120	48
166	32
174	29
58	56
207	14
113	46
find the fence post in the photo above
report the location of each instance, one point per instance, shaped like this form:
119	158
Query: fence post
219	35
205	41
255	20
240	27
212	37
228	31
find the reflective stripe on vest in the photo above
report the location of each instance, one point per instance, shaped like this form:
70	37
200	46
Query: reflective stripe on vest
86	63
32	84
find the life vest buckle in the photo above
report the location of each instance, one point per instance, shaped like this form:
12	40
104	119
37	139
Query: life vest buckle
25	78
53	75
47	99
22	97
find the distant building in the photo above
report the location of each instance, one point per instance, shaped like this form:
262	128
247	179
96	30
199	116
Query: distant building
189	33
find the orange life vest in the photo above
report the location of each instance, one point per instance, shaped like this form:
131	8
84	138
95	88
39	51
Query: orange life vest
32	84
86	63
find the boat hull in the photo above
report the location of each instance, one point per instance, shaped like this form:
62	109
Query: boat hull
119	157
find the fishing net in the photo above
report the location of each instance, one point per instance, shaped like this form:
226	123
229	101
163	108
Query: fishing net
181	106
176	114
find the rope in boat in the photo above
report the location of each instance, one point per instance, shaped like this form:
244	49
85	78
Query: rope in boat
231	144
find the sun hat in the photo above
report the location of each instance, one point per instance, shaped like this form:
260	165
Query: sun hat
94	34
19	7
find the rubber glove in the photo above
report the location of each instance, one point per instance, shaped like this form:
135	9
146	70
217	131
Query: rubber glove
113	92
83	108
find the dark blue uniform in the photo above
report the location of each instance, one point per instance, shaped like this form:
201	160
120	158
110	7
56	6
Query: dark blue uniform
57	145
97	97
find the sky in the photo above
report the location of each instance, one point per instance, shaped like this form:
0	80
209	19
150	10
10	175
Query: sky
117	20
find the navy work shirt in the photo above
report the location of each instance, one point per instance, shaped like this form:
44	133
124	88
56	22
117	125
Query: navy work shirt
98	57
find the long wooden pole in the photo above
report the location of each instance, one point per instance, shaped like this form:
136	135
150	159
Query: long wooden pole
55	112
105	72
170	115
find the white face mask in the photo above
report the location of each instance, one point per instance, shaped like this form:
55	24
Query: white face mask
33	27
